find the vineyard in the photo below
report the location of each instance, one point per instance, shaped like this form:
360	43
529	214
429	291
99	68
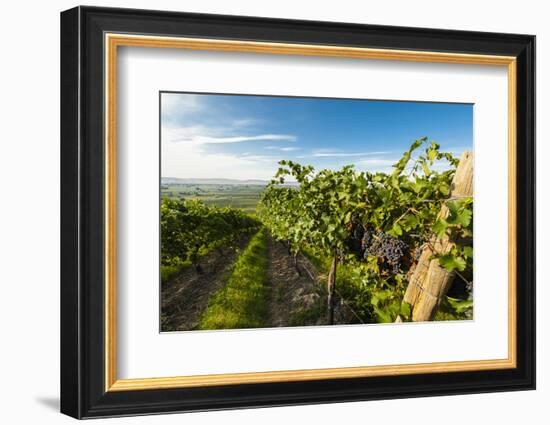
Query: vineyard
326	247
190	229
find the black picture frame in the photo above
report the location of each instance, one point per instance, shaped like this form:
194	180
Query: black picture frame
83	392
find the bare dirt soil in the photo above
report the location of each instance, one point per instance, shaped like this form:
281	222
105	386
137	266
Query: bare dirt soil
184	298
296	297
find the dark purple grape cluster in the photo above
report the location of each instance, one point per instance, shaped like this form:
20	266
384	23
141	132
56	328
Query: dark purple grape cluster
353	241
353	244
393	253
391	250
366	240
358	232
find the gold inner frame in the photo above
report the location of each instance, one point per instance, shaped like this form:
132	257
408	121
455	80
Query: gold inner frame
113	41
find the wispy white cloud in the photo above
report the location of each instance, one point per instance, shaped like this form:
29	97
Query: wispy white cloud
175	106
283	148
331	153
180	108
345	154
377	162
254	157
201	139
190	160
244	122
204	139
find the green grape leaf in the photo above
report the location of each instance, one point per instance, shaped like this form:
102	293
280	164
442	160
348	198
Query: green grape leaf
460	306
440	227
452	262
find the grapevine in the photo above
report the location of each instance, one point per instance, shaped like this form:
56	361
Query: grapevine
190	229
376	223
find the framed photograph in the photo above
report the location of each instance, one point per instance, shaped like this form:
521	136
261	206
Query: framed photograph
261	212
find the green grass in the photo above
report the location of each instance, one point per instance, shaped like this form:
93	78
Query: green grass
244	197
348	285
167	273
321	264
305	316
243	302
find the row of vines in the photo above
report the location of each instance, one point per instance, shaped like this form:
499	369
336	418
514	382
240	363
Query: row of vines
373	226
191	229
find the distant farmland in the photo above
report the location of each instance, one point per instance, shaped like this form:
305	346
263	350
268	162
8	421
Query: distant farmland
240	196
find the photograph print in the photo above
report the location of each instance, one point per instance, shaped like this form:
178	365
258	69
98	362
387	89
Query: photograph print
279	211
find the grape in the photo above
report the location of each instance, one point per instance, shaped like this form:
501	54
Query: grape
354	246
392	251
353	242
366	239
358	232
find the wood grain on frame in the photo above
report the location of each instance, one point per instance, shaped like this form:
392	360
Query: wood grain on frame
113	41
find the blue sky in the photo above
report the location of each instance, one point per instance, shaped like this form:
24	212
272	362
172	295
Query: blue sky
243	137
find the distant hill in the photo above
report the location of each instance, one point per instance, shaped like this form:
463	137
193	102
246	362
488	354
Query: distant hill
177	180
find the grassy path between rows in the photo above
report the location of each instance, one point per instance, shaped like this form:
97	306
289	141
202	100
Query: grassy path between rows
243	302
185	297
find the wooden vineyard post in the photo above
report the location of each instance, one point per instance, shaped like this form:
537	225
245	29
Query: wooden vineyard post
430	282
331	288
